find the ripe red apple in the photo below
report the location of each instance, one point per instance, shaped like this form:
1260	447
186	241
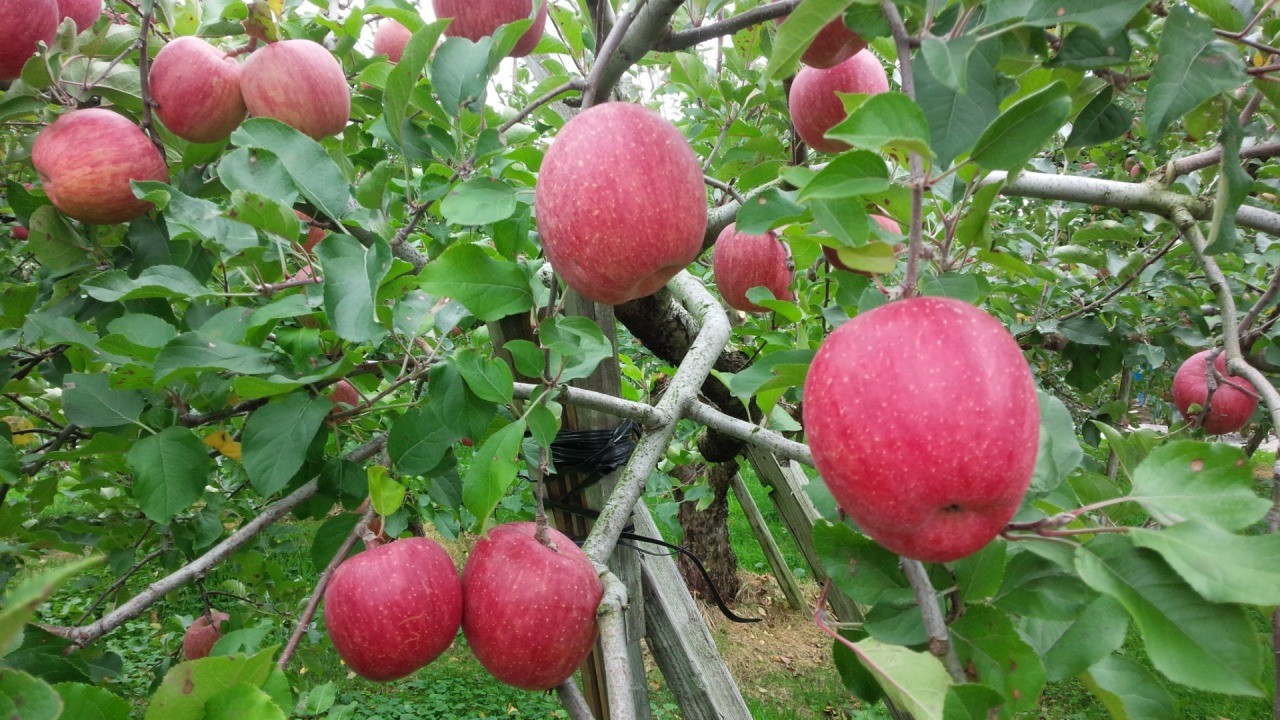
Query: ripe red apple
474	19
344	396
392	609
621	203
18	232
314	234
529	611
197	90
300	84
833	44
84	12
923	421
201	634
743	261
23	23
1234	398
833	255
86	159
390	39
815	106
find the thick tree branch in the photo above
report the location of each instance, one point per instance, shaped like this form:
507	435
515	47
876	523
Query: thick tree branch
613	644
1209	158
573	701
939	637
647	415
693	36
649	26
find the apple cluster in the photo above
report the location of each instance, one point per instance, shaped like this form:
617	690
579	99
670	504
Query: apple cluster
527	610
26	23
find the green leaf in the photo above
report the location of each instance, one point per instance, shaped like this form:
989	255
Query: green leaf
460	73
891	122
241	702
874	257
974	229
798	31
1060	450
1128	690
420	439
276	438
949	60
55	242
847	222
1221	566
315	174
330	536
1020	132
970	702
23	697
1084	49
492	471
956	119
915	681
767	210
528	358
1103	119
862	569
170	470
89	401
850	174
987	641
488	377
1108	17
482	201
577	346
189	218
490	289
352	273
189	685
1037	587
191	353
1193	480
979	575
1192	68
403	78
1194	642
855	676
20	602
385	493
1233	187
158	281
86	702
1069	647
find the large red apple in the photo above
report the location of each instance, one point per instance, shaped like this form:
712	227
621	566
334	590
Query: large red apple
390	39
833	44
474	19
621	203
923	421
300	84
530	610
23	23
86	159
1234	398
393	609
815	106
197	90
201	634
833	255
84	12
743	261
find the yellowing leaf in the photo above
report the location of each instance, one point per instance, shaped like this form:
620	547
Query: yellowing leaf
18	427
222	441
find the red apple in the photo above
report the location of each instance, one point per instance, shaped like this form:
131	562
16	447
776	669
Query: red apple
314	234
833	44
84	12
1234	398
529	611
390	40
743	261
923	421
344	396
201	634
86	159
300	84
392	609
815	106
18	232
23	23
474	19
833	255
621	203
197	90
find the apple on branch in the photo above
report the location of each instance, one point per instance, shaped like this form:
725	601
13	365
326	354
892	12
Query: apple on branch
833	44
529	610
84	12
390	39
299	83
816	106
23	24
196	88
86	159
474	19
1232	404
314	234
201	635
923	420
621	203
742	261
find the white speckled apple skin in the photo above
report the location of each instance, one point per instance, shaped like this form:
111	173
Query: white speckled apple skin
923	420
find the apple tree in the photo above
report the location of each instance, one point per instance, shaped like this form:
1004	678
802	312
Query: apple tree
988	283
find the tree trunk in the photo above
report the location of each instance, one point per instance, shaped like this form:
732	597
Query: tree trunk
706	532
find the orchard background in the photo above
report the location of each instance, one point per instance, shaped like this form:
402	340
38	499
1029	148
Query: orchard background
1096	174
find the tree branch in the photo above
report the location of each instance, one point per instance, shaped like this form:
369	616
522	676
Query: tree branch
613	645
649	26
693	36
939	637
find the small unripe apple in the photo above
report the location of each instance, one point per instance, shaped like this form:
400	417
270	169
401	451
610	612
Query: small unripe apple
833	255
392	609
300	84
390	40
474	19
743	261
621	203
23	23
1234	398
833	44
86	159
84	12
923	421
314	234
815	106
529	612
197	90
201	635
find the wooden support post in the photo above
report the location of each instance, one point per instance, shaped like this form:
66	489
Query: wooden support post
680	640
777	563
